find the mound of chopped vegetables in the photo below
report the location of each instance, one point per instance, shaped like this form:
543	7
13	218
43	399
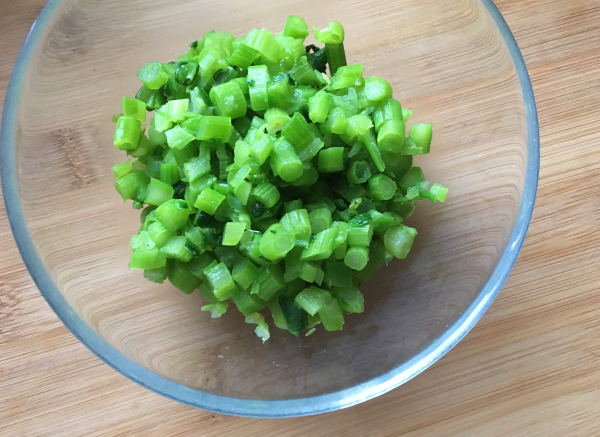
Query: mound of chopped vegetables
267	182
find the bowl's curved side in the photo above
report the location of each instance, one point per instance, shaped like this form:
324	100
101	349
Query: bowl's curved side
248	407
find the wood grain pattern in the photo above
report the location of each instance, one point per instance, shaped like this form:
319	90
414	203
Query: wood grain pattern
528	368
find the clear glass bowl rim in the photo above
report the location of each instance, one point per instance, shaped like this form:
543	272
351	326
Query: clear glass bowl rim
251	407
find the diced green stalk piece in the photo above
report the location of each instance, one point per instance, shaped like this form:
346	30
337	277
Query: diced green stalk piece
197	265
360	236
336	56
251	247
261	149
313	299
127	133
285	162
215	128
391	136
377	90
158	192
153	99
382	222
321	247
207	292
331	160
209	200
399	240
420	135
134	108
350	299
258	79
311	150
153	75
294	47
368	272
198	166
173	214
277	314
175	110
200	102
233	233
195	238
220	278
267	194
178	137
439	191
320	220
346	77
122	169
276	119
262	330
243	56
340	251
318	107
239	176
331	316
186	71
242	192
159	234
390	111
401	205
141	242
357	258
227	255
169	172
406	114
382	187
337	121
276	242
309	176
148	259
216	310
358	126
241	153
298	221
177	248
412	177
229	100
281	94
182	279
302	72
332	34
194	188
380	253
295	27
161	123
359	172
247	303
157	275
270	281
244	273
263	41
292	205
128	185
297	132
307	272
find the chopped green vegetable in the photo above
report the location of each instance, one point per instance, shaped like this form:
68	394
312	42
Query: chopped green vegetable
263	181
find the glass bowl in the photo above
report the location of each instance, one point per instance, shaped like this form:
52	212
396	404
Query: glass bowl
455	64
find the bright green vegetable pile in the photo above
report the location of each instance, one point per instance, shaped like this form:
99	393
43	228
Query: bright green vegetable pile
267	182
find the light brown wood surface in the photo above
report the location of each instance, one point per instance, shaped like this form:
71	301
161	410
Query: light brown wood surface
530	367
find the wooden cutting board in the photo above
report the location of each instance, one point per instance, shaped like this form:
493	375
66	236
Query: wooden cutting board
530	367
